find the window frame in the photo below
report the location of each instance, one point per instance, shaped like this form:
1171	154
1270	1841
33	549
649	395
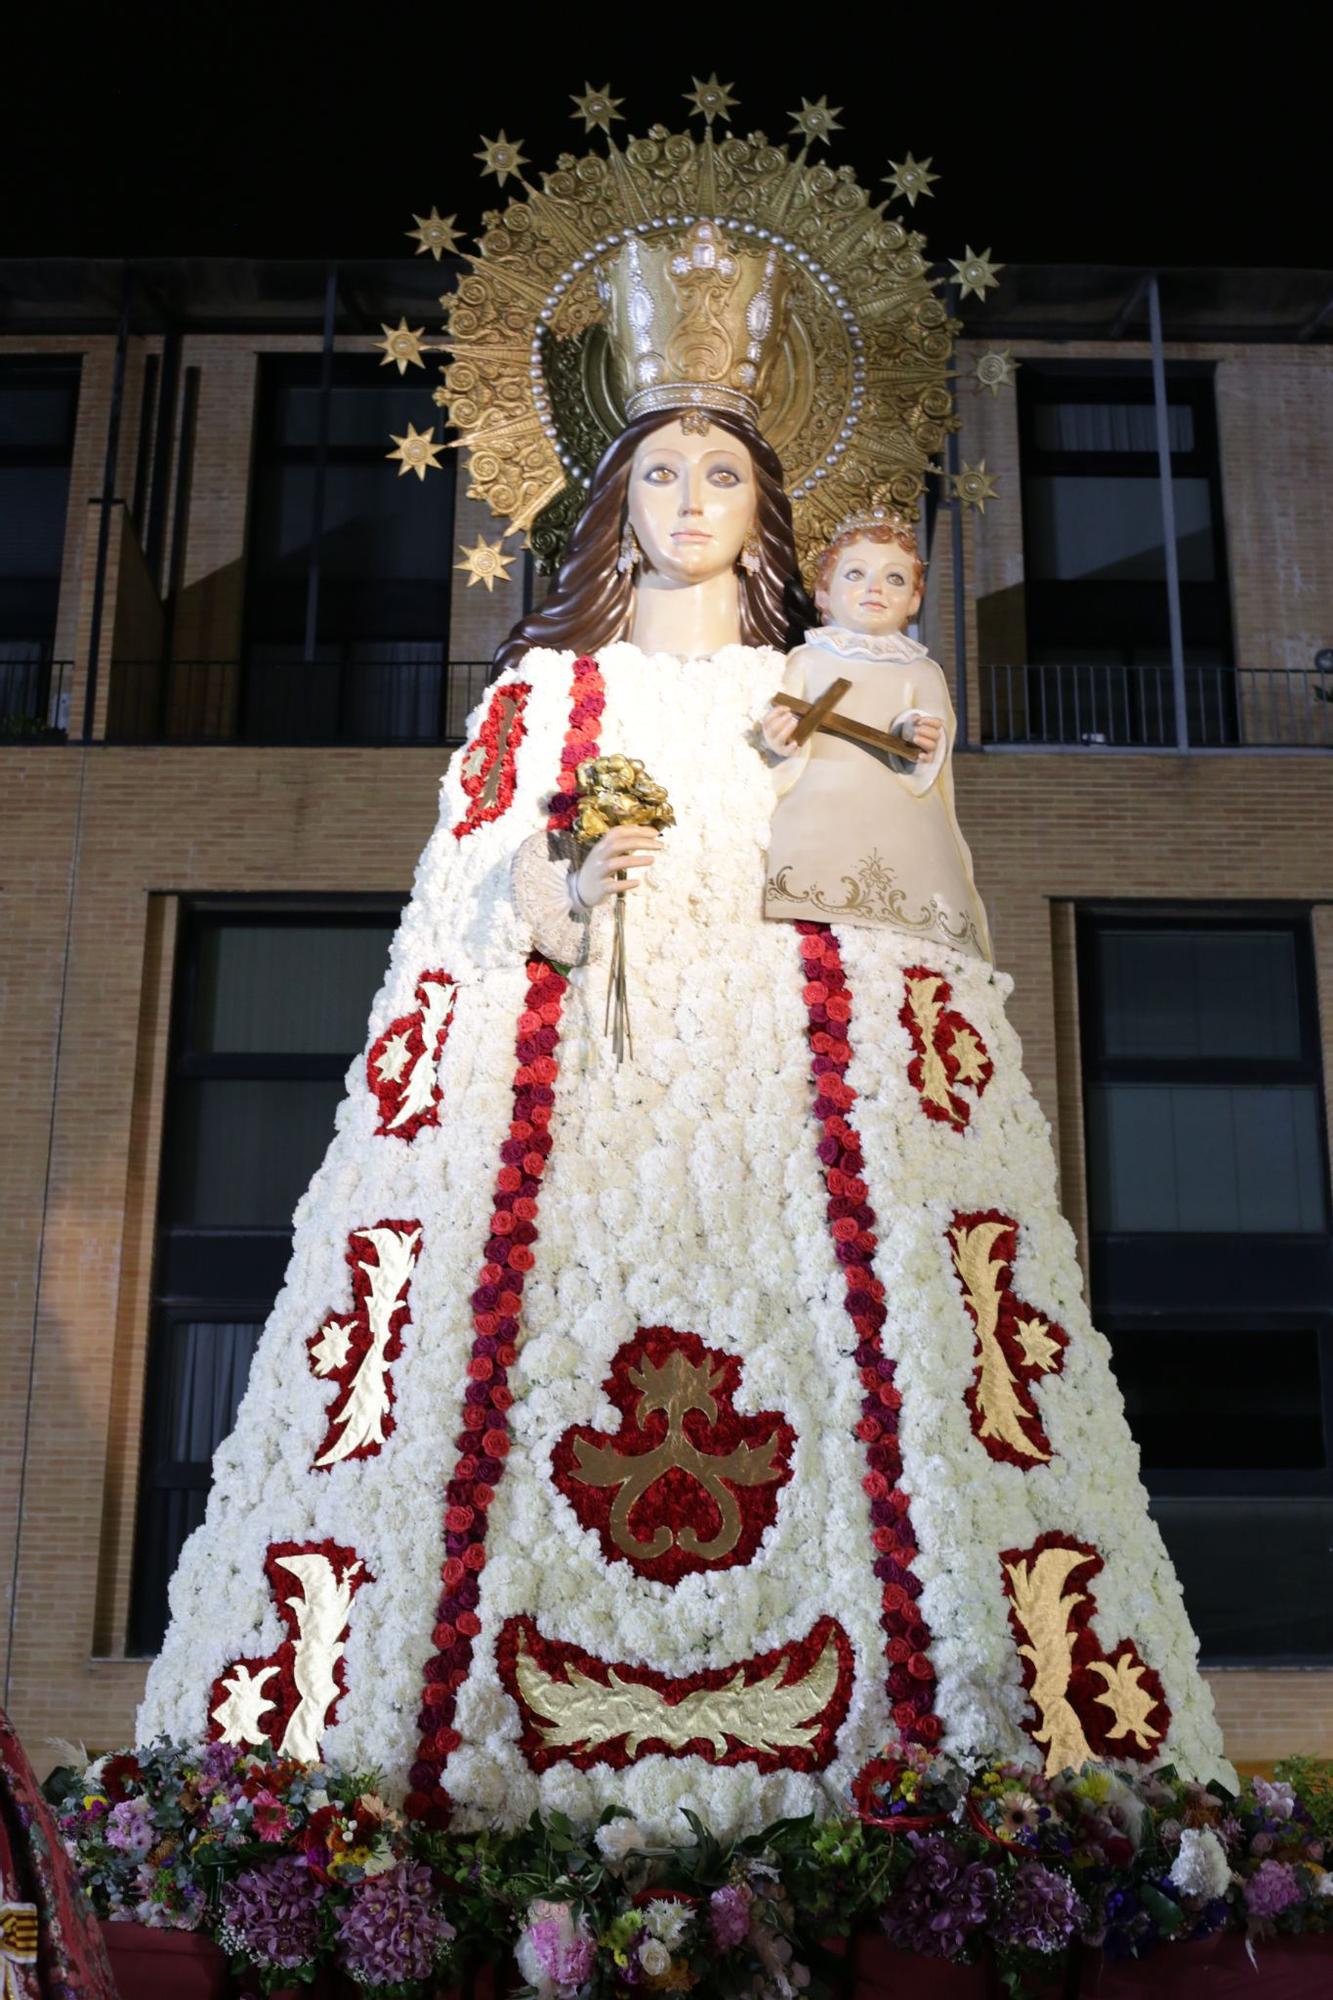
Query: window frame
210	1273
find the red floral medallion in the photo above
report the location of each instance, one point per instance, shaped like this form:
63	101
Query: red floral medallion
1087	1703
686	1483
780	1710
828	999
403	1067
483	1439
1016	1345
290	1697
489	762
355	1350
950	1054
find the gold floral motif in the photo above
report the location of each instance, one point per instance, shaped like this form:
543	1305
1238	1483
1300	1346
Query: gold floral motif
677	1387
1037	1591
873	895
923	999
1128	1700
999	1407
578	1713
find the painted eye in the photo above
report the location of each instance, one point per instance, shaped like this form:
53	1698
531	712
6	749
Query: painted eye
660	475
852	575
722	475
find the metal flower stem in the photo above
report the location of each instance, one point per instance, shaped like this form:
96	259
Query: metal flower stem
617	989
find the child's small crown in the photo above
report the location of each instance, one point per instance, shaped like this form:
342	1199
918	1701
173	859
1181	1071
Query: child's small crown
879	517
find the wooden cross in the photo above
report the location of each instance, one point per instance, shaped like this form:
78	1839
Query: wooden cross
820	715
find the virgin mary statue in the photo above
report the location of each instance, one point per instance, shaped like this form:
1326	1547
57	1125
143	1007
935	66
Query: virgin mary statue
692	1430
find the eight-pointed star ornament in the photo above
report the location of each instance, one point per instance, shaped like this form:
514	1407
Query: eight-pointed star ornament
816	121
911	178
402	346
501	156
976	273
995	371
597	108
417	452
974	486
712	99
436	233
485	562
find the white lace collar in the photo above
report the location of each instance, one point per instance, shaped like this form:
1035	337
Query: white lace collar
865	645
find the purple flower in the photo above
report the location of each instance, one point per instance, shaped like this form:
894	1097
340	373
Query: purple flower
272	1913
1271	1889
729	1916
941	1901
1043	1912
1277	1800
393	1929
130	1828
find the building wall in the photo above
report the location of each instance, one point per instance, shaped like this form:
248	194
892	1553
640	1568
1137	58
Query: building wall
97	845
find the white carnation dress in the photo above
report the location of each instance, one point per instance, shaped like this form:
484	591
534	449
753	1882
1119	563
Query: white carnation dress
683	1433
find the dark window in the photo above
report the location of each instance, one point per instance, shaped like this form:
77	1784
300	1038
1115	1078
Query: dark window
1098	634
38	404
385	557
270	1008
1212	1272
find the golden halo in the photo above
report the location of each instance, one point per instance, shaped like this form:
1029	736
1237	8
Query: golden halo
859	400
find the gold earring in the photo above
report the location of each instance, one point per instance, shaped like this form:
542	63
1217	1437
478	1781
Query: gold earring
751	553
630	551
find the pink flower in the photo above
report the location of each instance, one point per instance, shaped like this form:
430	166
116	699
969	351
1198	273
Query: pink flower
1271	1889
729	1916
557	1951
271	1818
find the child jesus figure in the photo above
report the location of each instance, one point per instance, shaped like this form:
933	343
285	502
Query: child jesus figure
864	831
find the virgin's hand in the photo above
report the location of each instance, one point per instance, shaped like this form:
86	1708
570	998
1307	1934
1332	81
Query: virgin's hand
926	731
629	848
778	728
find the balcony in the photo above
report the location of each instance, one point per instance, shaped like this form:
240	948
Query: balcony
34	699
353	701
1112	707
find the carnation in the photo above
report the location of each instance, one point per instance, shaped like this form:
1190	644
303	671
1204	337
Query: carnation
618	1839
271	1914
1043	1911
1200	1869
1272	1889
392	1929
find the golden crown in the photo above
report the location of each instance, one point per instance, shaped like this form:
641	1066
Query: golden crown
695	323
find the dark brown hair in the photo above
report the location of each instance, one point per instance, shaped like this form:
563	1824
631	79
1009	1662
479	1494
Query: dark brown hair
591	601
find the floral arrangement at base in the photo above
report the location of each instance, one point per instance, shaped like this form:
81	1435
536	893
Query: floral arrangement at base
295	1868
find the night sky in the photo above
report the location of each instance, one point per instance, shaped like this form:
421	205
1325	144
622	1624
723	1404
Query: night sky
295	131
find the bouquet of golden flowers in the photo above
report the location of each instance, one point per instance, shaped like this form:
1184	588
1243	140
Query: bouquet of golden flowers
617	791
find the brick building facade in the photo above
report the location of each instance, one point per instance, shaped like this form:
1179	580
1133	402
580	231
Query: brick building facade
110	848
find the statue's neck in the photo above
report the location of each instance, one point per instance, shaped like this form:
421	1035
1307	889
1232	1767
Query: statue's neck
692	619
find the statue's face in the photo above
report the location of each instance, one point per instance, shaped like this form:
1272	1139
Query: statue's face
873	588
691	502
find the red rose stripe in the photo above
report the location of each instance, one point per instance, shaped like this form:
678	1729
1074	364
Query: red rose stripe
828	999
483	1438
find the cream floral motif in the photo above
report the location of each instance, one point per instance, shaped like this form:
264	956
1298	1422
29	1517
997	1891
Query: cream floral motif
685	1191
874	892
767	1715
359	1417
1043	1609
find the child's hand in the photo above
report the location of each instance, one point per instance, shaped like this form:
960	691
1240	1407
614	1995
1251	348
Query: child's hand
925	732
778	728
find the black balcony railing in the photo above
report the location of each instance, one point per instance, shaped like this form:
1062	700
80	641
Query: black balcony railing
1095	706
374	701
34	699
